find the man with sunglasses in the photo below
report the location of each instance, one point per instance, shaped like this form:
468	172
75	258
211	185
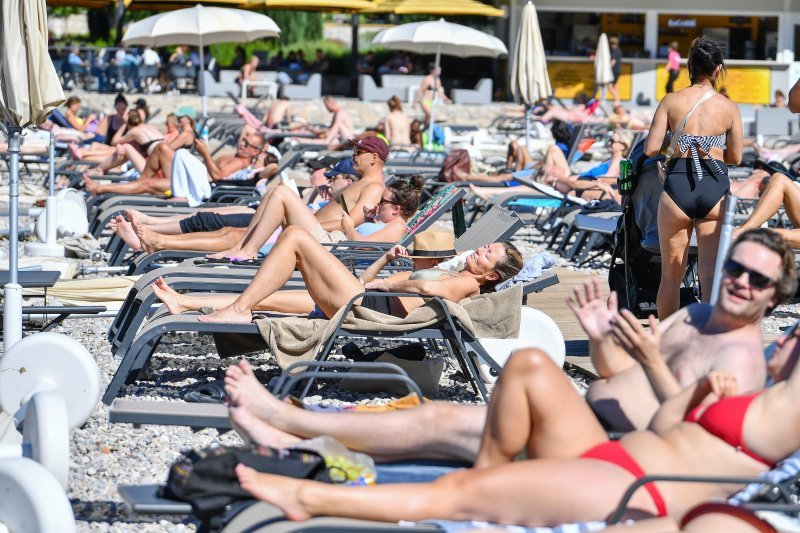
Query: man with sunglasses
193	174
759	274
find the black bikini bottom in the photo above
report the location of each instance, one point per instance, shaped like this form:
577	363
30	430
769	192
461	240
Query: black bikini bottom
696	197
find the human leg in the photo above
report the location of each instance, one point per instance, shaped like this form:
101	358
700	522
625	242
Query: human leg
211	241
708	233
674	230
138	186
522	417
542	492
779	191
391	436
126	232
328	281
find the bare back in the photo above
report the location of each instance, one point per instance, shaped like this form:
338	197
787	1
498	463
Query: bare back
351	199
398	128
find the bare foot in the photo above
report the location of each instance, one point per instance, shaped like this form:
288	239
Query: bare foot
281	491
125	230
226	253
90	185
149	238
138	216
246	392
75	151
169	297
479	193
228	315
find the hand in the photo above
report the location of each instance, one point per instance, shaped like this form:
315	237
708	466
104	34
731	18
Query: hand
593	314
200	144
347	223
396	252
643	345
120	149
722	384
324	192
377	285
370	211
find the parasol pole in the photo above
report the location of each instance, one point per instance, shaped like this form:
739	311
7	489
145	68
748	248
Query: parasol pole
436	83
50	246
202	84
725	239
12	292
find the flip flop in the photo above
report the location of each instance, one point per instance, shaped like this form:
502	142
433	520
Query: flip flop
211	392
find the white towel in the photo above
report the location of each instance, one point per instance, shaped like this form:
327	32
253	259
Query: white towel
189	178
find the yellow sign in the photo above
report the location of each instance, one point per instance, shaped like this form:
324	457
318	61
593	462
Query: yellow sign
744	85
570	79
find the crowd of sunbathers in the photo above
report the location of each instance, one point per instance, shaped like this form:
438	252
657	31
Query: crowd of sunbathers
691	394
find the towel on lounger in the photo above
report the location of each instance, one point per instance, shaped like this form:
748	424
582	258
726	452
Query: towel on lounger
492	315
189	178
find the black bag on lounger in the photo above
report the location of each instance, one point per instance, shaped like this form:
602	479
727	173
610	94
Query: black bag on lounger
207	480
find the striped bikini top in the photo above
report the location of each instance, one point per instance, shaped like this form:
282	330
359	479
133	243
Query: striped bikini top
705	143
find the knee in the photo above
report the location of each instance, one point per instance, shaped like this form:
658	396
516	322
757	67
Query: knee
531	361
294	233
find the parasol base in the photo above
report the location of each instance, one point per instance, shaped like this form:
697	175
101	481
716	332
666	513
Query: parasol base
44	249
12	315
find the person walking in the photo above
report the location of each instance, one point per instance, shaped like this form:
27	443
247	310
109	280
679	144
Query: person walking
616	67
673	65
696	180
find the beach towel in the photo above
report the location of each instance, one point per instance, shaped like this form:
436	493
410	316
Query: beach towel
68	269
189	178
494	315
109	291
531	269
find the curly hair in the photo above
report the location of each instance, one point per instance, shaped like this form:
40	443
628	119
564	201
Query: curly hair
406	194
705	55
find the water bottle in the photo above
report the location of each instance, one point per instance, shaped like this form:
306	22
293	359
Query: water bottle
204	133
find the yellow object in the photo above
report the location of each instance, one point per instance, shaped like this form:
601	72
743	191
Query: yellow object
569	79
744	85
96	4
309	5
169	5
435	7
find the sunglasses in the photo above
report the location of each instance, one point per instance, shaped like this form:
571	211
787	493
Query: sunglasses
385	201
248	144
756	279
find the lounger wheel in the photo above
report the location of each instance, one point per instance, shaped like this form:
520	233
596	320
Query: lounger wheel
50	362
31	499
536	330
72	215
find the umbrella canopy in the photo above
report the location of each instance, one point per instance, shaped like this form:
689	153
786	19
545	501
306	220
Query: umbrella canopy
529	78
435	7
97	4
333	6
602	62
200	26
441	37
29	85
29	89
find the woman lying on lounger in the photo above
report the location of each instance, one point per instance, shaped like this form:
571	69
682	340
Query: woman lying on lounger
330	284
575	473
385	222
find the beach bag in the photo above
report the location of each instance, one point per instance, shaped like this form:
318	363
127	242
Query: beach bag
662	165
456	167
206	478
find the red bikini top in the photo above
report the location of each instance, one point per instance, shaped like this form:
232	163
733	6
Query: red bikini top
725	419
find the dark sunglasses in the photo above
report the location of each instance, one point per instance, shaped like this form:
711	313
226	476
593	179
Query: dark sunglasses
756	279
385	201
248	144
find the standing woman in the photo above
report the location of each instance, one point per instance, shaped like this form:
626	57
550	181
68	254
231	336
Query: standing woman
430	85
697	176
673	66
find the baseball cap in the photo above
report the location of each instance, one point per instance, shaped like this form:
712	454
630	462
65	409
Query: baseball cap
373	145
325	161
345	166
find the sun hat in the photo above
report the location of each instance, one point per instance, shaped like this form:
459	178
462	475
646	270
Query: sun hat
186	111
433	245
373	145
345	166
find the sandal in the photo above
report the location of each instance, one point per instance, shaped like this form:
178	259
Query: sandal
211	392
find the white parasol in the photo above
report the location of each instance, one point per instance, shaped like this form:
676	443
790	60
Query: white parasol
530	80
602	65
200	26
440	37
29	89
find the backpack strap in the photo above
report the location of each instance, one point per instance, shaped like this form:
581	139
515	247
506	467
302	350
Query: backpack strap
679	131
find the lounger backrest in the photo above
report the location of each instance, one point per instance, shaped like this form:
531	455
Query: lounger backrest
497	224
430	212
59	119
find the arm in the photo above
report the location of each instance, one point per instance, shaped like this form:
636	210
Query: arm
674	410
118	135
454	288
794	98
645	347
372	271
735	141
370	196
184	138
658	130
218	171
